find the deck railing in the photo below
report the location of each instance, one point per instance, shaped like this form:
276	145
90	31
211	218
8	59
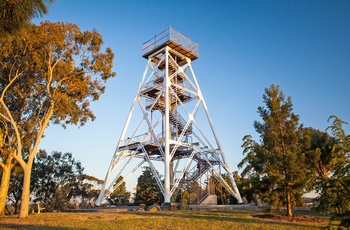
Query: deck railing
167	35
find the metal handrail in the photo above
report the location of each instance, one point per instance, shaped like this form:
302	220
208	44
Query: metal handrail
143	138
167	35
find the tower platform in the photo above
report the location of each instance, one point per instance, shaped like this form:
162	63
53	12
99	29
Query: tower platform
173	39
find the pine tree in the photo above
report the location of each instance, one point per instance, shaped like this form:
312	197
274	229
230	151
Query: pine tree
120	196
276	164
147	189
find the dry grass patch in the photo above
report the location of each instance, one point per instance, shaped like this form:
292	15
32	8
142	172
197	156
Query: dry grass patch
187	220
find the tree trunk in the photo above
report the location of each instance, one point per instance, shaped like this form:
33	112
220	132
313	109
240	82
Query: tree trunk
289	205
4	187
16	206
5	182
27	171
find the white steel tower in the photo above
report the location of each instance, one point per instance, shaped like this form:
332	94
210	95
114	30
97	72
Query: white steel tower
173	132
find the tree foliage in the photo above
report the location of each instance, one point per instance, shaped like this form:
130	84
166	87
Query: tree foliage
14	14
54	175
49	74
86	187
120	196
57	181
276	164
147	189
335	191
320	157
186	195
188	192
244	186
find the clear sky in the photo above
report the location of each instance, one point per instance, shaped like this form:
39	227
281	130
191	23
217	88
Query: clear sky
244	47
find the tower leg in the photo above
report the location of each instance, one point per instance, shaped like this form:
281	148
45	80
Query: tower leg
234	186
167	193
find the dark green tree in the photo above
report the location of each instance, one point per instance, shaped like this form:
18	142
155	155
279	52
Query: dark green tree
224	196
320	156
187	192
245	186
86	187
186	195
277	163
335	190
120	196
147	189
15	14
54	179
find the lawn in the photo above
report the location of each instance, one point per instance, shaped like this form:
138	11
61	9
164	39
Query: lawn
184	220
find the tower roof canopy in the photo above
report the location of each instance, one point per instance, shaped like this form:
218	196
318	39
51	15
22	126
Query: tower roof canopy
174	40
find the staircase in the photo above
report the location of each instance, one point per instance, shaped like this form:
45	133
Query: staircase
192	177
210	200
199	199
178	121
205	199
201	168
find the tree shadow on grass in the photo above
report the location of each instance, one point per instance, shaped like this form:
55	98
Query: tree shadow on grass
223	217
32	226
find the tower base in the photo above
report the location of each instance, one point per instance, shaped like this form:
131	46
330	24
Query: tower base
166	206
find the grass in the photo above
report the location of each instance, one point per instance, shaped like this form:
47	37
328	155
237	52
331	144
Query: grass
184	220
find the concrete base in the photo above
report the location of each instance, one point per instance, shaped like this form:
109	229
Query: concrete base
166	206
222	207
210	200
104	209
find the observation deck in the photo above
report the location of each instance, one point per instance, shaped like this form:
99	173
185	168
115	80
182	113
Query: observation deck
174	40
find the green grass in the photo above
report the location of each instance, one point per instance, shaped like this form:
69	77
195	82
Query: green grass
184	220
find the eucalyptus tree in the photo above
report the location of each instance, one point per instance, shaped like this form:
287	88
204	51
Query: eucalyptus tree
320	156
276	163
334	190
49	75
7	163
15	189
15	14
323	155
85	187
52	174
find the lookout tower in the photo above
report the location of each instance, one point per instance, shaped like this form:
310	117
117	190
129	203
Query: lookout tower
172	132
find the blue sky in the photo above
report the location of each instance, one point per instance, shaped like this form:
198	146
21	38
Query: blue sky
244	47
